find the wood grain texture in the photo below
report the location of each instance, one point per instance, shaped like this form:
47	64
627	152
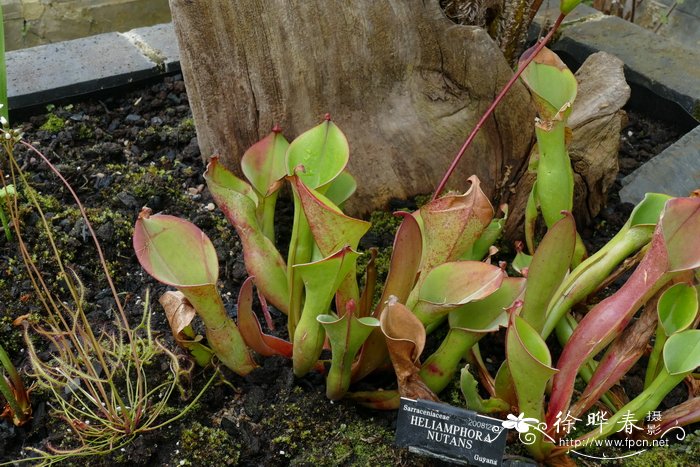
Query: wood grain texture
402	81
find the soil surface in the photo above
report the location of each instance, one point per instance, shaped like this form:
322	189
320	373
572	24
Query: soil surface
124	152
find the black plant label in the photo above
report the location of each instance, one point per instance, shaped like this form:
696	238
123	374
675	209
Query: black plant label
449	433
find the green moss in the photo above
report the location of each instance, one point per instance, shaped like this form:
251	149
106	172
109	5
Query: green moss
63	221
145	182
360	443
10	335
680	454
187	124
205	446
85	132
53	124
384	223
46	202
306	431
422	200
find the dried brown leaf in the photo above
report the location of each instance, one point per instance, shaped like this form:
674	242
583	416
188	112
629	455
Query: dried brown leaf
179	313
405	339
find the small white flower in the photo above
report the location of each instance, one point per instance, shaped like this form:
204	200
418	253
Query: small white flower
3	120
519	423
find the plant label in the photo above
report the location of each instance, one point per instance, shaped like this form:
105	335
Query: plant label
449	433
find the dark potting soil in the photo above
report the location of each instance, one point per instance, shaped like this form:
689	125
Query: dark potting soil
123	152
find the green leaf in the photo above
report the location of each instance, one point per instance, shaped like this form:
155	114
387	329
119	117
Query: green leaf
177	253
468	324
468	385
547	270
566	6
648	211
680	224
342	188
461	282
263	164
346	336
521	262
219	175
503	383
531	218
529	363
552	84
262	259
160	241
488	238
682	352
321	281
488	314
323	151
332	230
677	308
555	177
453	284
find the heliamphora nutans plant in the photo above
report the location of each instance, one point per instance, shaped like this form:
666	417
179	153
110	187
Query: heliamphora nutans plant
435	266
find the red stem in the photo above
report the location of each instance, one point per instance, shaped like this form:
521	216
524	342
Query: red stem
495	103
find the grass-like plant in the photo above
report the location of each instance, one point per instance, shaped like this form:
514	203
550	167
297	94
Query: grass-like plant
17	405
99	381
6	194
4	108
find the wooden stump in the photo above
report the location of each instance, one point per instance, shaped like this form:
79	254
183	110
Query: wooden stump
403	82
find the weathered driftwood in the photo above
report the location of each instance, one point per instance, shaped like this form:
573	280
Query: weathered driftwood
403	82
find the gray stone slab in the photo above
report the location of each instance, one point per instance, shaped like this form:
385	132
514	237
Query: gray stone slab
676	171
159	40
548	13
656	63
682	25
50	72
